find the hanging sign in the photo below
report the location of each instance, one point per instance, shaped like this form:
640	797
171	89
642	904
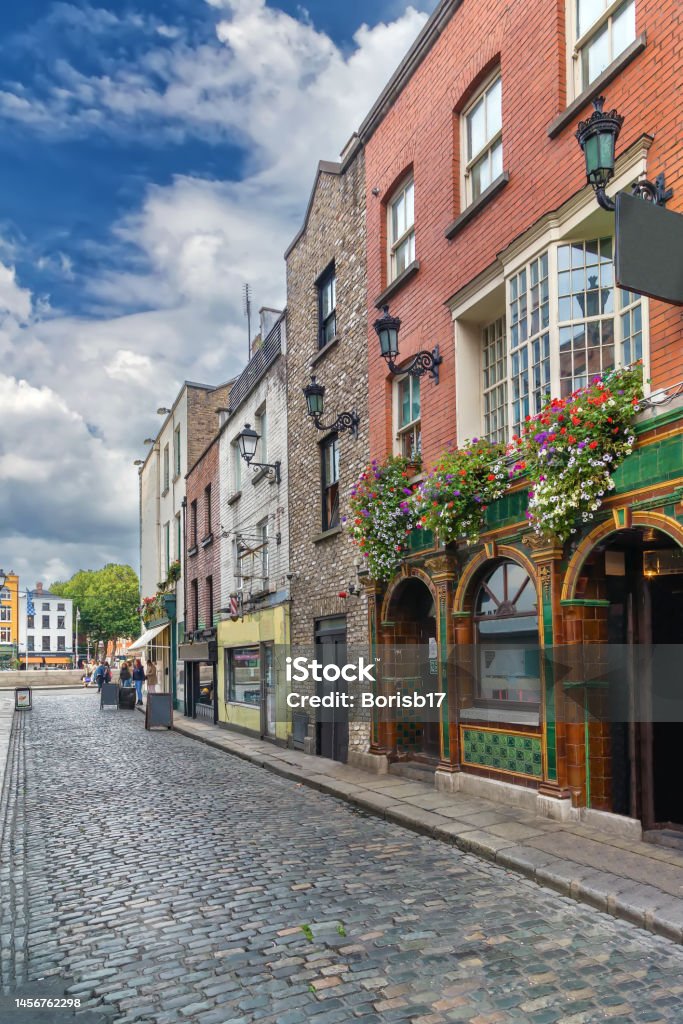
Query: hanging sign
649	249
22	698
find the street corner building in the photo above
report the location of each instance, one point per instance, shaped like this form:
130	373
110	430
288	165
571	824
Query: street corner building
491	286
327	440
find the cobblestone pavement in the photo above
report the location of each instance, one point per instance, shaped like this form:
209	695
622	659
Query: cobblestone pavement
161	880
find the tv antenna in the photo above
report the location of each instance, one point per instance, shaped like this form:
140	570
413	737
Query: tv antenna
246	307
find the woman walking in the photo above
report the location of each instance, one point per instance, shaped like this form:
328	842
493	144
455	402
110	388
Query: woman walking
151	677
138	678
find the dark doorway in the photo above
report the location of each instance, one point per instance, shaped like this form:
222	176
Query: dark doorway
644	585
414	665
332	725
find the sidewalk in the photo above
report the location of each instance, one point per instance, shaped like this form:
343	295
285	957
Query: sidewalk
629	879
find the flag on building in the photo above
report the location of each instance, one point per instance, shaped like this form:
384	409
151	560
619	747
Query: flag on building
30	607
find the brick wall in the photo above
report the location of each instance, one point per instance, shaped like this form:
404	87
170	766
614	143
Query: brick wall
202	420
322	568
206	561
421	131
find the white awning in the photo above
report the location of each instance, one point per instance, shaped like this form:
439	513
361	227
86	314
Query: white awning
147	637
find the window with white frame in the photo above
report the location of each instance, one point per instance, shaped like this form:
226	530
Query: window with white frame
5	614
483	138
401	229
167	469
262	431
5	635
30	643
329	454
529	318
585	281
176	451
409	433
494	380
600	31
5	594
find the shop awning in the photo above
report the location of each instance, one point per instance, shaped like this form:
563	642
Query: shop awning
147	637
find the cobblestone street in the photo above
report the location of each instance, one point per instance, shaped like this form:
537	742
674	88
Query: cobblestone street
161	880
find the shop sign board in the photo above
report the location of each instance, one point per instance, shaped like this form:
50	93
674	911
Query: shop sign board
109	695
159	711
649	249
22	698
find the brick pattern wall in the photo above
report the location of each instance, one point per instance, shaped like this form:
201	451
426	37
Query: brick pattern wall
323	568
421	131
206	562
202	421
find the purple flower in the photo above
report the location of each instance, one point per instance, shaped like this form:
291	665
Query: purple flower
540	437
456	494
364	512
404	507
581	444
407	490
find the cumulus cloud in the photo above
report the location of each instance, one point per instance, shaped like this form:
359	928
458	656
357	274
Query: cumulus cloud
83	389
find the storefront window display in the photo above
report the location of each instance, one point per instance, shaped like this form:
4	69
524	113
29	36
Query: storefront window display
243	673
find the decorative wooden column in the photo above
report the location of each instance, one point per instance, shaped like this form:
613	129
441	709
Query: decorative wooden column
546	553
380	743
443	572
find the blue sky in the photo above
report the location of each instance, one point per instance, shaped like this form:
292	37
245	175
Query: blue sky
154	155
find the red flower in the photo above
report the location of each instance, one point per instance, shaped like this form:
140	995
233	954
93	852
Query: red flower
593	444
490	476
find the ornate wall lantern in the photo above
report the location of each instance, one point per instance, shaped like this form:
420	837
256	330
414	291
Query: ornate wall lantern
387	328
315	403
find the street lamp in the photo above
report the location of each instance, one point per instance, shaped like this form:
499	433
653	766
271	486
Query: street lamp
163	411
597	136
315	403
387	328
149	440
247	439
139	462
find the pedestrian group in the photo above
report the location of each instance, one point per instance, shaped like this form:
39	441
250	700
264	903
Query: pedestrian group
136	675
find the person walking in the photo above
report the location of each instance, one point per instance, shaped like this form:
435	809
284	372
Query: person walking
100	676
138	678
151	677
124	674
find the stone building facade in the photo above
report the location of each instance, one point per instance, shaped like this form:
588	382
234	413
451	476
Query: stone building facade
326	331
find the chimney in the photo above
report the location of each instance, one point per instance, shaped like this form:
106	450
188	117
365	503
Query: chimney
39	588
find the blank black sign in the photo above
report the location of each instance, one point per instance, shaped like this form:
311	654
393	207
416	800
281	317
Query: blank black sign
109	695
159	710
649	249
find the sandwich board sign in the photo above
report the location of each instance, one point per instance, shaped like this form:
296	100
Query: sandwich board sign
22	698
109	695
649	249
159	711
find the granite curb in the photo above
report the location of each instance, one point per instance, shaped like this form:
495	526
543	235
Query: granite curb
640	903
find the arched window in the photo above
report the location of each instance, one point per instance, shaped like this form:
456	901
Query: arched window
506	617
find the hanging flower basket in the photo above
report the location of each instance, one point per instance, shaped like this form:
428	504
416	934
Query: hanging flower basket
382	515
452	501
571	449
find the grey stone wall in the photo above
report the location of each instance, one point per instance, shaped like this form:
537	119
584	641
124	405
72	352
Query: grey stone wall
324	566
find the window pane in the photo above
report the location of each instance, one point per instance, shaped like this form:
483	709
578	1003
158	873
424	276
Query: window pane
409	206
415	404
481	176
494	114
588	11
623	28
595	56
397	219
404	401
476	129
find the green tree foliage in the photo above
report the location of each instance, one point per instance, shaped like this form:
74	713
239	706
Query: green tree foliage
107	599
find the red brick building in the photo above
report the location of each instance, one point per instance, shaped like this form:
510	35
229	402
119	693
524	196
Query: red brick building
202	581
483	237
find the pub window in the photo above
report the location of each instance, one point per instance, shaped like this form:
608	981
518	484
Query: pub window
409	433
483	139
329	451
600	31
243	674
494	381
506	617
401	229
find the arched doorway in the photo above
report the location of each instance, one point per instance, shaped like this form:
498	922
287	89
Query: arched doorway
411	665
643	582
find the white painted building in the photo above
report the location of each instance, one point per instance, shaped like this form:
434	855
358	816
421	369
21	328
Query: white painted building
48	633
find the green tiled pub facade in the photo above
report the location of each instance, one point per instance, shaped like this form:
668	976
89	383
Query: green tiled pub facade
552	744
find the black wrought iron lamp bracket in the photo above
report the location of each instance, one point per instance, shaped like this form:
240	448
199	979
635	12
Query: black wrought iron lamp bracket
345	421
423	362
275	466
651	191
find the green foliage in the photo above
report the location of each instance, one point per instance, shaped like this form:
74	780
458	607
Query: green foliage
306	929
107	599
454	497
341	930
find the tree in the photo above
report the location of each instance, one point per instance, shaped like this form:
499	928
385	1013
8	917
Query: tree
107	599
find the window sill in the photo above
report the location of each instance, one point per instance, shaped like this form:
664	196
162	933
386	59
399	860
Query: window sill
499	716
473	209
569	115
259	474
165	492
326	534
192	551
397	284
234	497
322	352
207	540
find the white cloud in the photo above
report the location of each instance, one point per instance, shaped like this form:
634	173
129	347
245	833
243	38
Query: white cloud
83	389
